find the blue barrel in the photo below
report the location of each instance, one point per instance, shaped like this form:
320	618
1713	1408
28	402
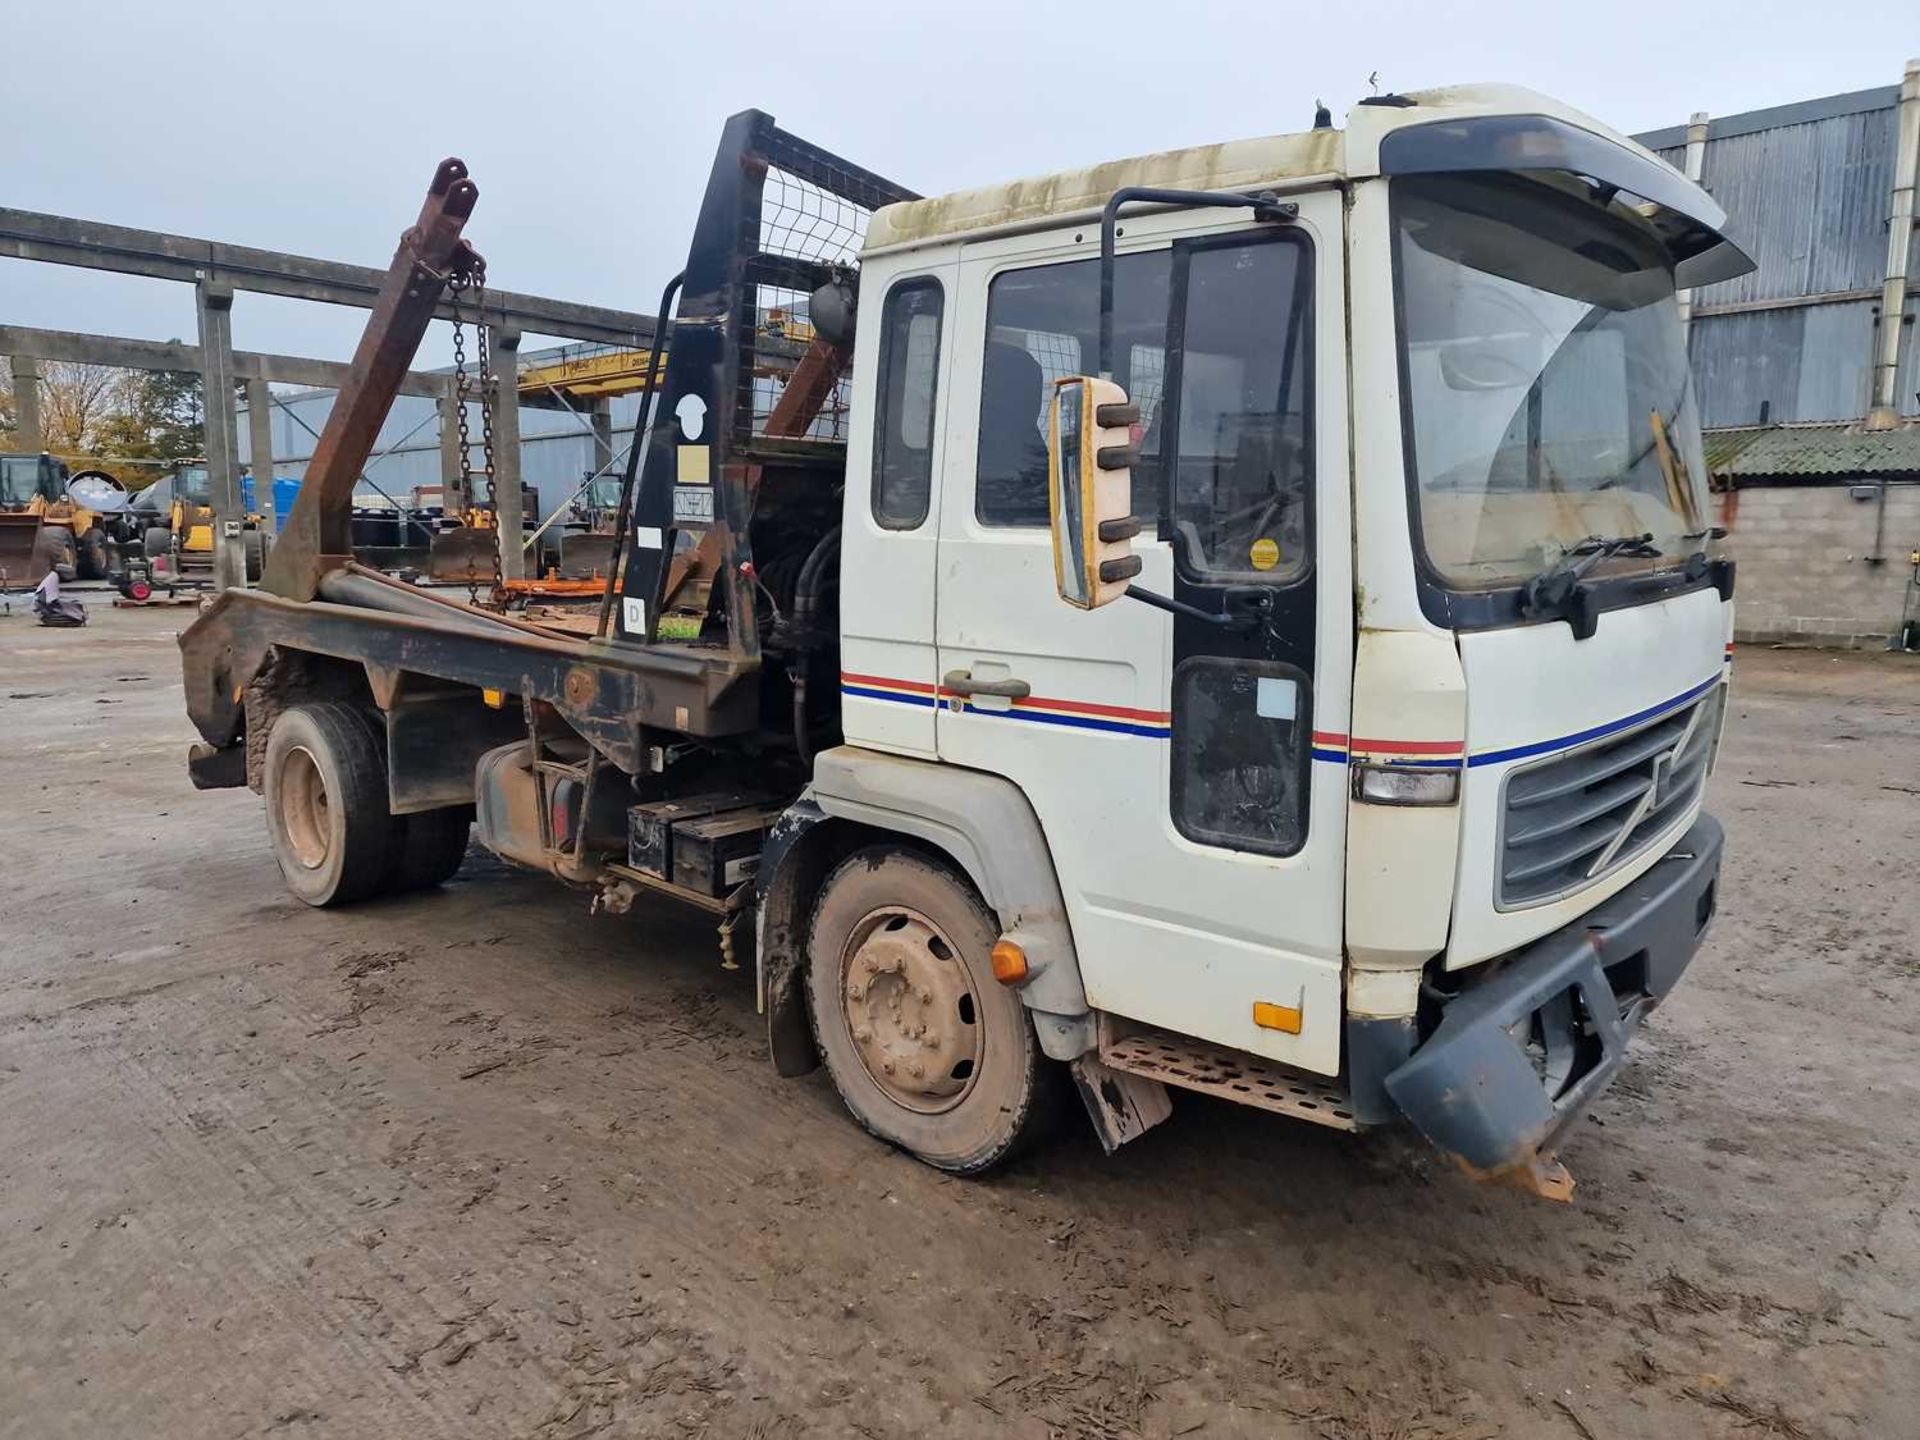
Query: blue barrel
284	492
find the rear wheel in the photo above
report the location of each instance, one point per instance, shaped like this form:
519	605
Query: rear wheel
156	540
927	1050
254	547
429	848
326	788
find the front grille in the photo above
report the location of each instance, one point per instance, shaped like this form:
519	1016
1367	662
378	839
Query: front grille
1561	818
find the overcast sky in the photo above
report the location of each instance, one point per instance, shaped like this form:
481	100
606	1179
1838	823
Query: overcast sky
314	127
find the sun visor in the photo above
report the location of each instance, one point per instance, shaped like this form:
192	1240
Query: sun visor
1689	221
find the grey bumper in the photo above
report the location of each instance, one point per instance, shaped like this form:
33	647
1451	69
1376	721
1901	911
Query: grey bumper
1517	1058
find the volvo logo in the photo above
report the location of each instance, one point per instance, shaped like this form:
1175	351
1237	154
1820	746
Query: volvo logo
1659	790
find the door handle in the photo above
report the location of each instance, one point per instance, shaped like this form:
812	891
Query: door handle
961	682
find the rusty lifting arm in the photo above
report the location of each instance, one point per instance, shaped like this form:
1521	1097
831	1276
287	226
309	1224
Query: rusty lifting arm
318	533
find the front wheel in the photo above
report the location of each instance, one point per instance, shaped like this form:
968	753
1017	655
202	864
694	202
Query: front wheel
926	1049
327	811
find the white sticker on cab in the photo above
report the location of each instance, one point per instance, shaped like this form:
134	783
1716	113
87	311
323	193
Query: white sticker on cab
1275	698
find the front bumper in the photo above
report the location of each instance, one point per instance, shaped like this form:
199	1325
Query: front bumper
1517	1058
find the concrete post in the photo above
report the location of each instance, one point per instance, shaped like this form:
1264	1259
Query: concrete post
1884	413
214	301
504	347
27	434
1696	157
260	443
455	499
600	418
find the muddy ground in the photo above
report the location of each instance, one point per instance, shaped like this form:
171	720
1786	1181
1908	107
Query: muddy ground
475	1164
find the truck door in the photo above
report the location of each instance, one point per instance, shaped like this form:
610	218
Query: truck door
1189	777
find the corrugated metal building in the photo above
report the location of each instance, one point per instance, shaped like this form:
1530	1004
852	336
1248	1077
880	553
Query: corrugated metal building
1785	357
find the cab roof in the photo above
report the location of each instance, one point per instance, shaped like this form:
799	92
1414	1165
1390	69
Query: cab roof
1332	154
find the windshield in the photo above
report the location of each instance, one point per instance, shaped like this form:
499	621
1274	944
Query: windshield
19	478
1545	371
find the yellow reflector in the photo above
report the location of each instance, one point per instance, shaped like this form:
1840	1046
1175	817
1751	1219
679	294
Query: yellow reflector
1276	1017
495	698
1009	962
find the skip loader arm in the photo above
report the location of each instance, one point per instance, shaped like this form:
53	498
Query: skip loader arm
318	533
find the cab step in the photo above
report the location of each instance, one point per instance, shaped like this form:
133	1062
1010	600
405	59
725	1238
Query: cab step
1230	1075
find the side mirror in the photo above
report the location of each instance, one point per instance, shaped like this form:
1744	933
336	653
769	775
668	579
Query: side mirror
1090	490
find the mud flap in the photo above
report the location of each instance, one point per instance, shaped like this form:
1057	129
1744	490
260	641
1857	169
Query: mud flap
1123	1107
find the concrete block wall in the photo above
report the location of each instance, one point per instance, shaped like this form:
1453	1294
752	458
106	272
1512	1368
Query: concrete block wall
1803	568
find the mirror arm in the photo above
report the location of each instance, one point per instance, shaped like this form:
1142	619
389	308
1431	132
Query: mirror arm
1265	205
1248	614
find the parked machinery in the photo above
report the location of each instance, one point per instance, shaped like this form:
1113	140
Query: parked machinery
175	520
46	525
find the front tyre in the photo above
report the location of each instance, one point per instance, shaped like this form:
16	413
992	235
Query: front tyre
926	1049
326	789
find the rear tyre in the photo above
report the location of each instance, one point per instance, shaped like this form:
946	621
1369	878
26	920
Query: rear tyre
156	540
926	1049
429	848
254	545
326	788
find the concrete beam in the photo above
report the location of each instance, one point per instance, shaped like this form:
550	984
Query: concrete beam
64	240
125	354
27	434
504	354
214	303
260	442
454	498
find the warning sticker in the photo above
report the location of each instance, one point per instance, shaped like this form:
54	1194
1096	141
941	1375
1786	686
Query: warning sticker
1265	553
692	505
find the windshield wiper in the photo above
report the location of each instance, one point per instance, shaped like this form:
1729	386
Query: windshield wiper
1559	592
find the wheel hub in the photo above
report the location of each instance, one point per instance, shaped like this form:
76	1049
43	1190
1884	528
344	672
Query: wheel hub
911	1009
304	812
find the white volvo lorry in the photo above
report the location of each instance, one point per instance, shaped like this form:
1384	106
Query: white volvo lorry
1241	620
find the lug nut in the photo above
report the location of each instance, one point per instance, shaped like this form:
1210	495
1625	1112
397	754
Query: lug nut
918	1069
926	996
887	1065
863	1035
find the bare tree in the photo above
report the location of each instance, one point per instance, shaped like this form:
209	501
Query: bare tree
75	401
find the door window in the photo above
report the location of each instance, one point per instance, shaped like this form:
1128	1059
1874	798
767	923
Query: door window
1043	323
1240	754
1240	314
904	407
1243	391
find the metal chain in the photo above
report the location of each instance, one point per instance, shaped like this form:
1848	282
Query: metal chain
462	392
474	278
489	398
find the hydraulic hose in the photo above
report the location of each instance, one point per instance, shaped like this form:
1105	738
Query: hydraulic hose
806	601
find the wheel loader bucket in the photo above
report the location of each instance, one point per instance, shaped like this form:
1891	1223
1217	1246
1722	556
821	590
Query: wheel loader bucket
462	553
23	560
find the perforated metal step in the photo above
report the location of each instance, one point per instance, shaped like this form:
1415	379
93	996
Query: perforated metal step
1232	1075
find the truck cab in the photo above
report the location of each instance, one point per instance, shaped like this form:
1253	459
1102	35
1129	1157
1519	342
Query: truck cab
1363	430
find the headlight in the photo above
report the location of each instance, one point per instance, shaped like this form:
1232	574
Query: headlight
1405	784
